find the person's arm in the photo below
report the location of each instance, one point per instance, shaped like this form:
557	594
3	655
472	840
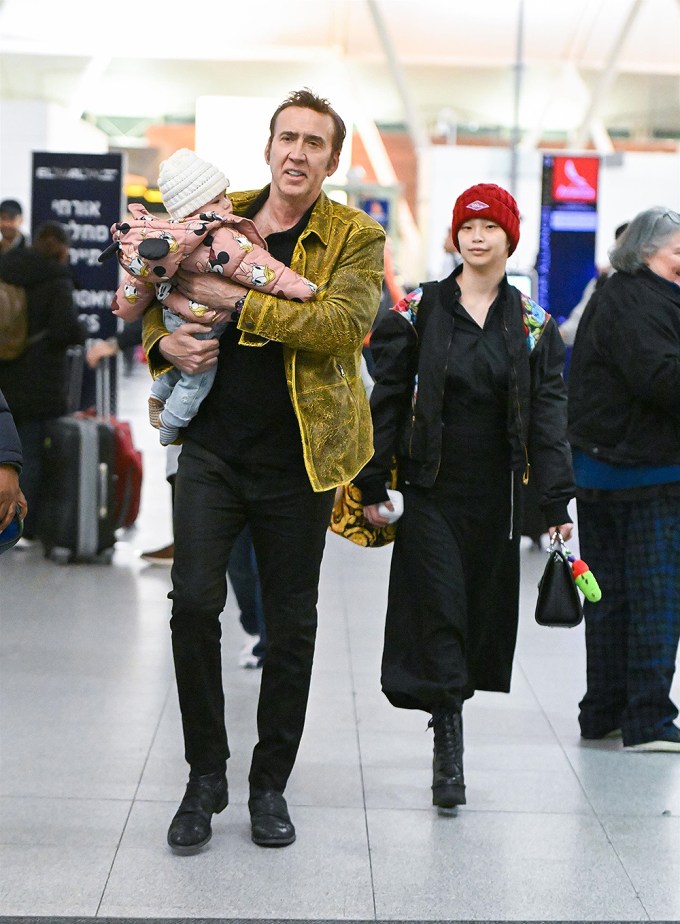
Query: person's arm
252	265
181	348
396	354
569	326
129	336
341	314
549	451
11	496
643	345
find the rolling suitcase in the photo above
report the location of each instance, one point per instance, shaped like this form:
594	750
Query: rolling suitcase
79	455
128	471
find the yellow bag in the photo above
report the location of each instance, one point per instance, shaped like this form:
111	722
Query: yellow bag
348	520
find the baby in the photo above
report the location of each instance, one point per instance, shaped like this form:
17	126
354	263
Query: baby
201	235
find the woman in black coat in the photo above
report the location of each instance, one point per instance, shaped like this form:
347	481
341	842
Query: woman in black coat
624	427
469	398
35	384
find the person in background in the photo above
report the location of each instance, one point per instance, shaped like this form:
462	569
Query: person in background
35	384
124	341
470	400
569	327
11	219
624	429
285	422
11	458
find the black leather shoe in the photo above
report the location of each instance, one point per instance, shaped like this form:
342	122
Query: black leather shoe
190	828
270	822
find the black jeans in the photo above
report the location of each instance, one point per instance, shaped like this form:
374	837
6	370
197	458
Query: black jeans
214	500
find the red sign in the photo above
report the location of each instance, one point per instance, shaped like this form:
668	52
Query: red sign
574	179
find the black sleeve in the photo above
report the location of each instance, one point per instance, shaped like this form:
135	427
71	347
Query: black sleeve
394	348
549	451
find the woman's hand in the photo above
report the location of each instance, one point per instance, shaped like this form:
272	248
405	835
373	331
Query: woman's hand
218	292
565	530
188	353
372	515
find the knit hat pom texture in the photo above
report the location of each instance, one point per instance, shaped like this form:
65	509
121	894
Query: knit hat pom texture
187	182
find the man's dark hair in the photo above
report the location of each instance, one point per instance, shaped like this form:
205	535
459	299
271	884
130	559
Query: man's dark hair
11	207
305	99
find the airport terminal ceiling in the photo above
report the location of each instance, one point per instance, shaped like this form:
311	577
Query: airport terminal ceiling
587	71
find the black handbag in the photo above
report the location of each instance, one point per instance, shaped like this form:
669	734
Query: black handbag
559	603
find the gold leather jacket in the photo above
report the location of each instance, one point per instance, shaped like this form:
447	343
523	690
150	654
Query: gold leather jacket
341	250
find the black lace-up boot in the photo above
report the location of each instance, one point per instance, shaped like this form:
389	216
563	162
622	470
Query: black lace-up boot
448	784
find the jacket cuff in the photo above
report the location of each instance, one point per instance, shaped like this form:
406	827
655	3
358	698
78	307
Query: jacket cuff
153	331
556	514
373	489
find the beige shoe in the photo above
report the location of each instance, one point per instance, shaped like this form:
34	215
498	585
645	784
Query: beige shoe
162	556
155	408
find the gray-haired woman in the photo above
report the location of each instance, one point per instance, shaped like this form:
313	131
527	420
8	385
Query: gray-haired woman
624	428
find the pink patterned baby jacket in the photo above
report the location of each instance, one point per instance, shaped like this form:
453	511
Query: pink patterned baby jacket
151	248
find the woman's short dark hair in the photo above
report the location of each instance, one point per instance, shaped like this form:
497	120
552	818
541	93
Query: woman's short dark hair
645	234
305	99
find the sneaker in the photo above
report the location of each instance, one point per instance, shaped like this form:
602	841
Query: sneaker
247	658
162	556
670	743
155	408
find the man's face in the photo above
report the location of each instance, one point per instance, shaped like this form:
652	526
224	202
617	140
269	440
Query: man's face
9	225
300	154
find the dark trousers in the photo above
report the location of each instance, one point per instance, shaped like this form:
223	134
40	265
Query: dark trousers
633	549
245	579
214	500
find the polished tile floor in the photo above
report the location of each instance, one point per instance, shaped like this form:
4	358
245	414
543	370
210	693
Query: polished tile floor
92	766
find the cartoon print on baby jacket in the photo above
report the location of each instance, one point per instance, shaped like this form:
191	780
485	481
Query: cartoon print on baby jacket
151	248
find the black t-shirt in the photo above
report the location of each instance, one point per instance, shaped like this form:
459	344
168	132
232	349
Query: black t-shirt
248	416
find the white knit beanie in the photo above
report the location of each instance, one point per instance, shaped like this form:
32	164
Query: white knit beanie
186	182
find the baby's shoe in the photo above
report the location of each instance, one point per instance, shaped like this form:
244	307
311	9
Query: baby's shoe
155	408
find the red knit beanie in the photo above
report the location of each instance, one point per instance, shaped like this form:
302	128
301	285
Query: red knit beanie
486	200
